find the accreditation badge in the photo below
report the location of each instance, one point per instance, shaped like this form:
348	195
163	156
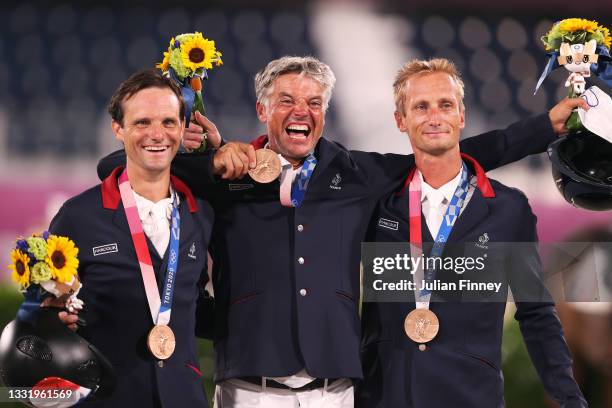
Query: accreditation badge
421	325
161	341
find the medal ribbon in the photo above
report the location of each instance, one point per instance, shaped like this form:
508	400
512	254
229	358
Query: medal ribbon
416	238
298	190
160	308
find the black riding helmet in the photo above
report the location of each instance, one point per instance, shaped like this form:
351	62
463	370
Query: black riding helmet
582	170
42	347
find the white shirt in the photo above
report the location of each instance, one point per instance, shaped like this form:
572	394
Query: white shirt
288	174
434	202
155	218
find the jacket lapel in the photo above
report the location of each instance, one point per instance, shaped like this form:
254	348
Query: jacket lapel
325	152
476	211
120	220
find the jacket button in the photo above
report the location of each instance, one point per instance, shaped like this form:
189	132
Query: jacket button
300	228
160	363
303	292
301	260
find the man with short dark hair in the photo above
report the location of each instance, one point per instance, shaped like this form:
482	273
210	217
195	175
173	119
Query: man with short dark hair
140	290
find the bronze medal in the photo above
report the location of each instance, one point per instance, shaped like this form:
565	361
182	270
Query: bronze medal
268	166
421	325
161	342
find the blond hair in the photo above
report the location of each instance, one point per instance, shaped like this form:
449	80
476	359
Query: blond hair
422	67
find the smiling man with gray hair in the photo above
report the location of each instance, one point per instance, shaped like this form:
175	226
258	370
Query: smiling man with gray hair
305	66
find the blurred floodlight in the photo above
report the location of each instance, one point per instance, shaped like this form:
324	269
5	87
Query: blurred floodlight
212	24
511	34
485	65
249	26
29	50
98	21
105	52
522	65
287	27
530	102
67	50
143	52
62	19
495	95
24	19
173	22
474	33
438	32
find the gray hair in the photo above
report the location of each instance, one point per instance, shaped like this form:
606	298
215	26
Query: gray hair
309	66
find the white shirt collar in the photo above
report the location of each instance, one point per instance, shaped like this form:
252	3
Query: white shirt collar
146	206
284	162
447	189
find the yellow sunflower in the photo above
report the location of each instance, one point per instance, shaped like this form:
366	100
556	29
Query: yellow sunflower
165	64
578	24
198	52
62	258
20	268
607	40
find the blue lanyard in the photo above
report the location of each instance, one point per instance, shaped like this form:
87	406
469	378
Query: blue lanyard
451	215
298	189
175	232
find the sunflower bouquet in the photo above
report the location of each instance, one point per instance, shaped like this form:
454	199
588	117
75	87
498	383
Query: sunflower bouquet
186	61
46	264
576	31
580	46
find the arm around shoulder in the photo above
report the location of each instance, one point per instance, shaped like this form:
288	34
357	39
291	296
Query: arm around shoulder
500	147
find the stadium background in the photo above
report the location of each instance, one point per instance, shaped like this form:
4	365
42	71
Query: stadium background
60	62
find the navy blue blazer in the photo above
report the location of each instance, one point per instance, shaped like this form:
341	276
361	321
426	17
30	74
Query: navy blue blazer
461	366
116	309
286	280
